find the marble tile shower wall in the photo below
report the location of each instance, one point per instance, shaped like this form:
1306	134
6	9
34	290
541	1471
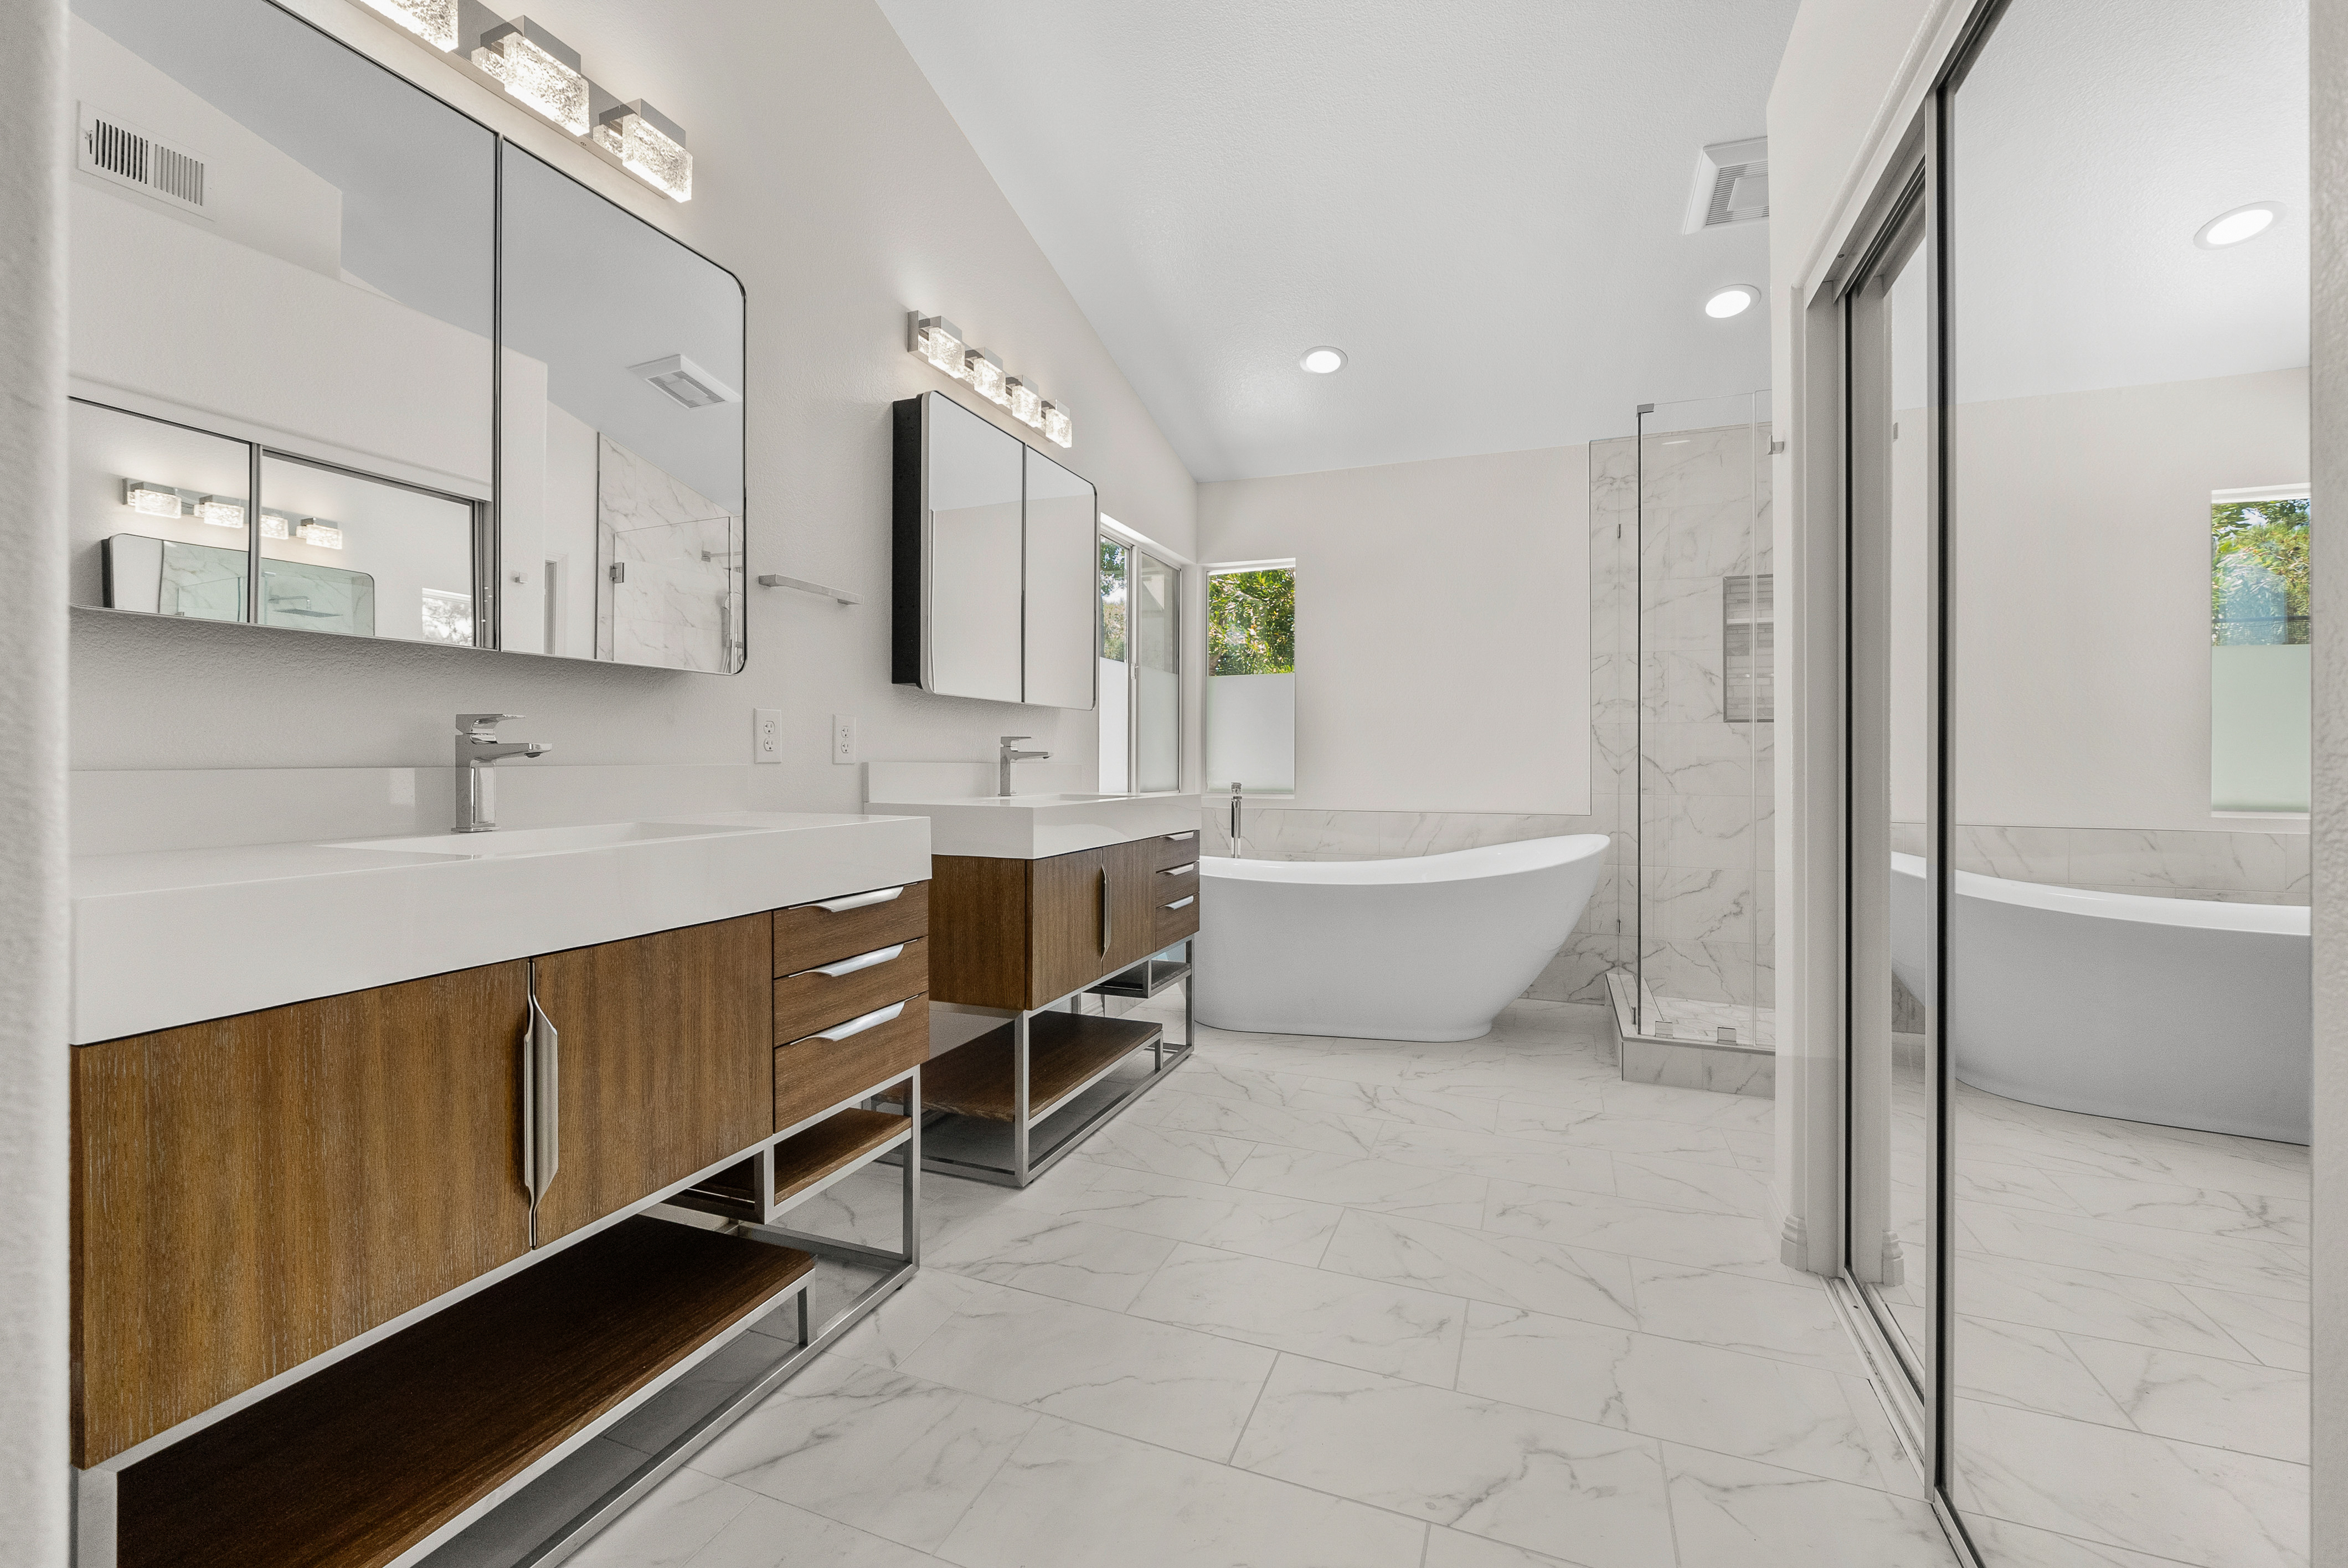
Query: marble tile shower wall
1705	863
2233	867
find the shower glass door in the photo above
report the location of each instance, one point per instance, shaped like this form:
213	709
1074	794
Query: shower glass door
1701	970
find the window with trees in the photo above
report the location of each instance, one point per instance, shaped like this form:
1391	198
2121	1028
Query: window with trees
2260	674
1252	677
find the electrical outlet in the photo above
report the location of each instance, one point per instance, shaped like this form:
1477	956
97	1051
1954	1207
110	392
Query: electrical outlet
843	738
767	735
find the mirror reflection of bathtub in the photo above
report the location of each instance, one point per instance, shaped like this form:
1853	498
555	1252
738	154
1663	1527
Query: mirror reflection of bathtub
2182	1013
1430	947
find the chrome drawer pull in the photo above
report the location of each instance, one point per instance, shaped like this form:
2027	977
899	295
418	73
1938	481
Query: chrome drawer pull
855	901
872	1019
1179	870
1178	838
862	961
1183	903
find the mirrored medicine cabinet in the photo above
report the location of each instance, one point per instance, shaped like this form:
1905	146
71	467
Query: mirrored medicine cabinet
342	359
996	563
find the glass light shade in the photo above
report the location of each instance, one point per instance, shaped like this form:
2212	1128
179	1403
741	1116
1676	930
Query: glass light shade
938	341
276	525
984	373
649	147
532	67
1057	427
153	500
1026	404
324	534
219	513
434	21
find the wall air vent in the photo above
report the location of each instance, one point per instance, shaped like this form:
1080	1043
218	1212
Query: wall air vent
118	151
1732	185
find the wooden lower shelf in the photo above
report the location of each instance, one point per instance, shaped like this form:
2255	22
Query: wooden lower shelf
1065	1052
840	1139
356	1464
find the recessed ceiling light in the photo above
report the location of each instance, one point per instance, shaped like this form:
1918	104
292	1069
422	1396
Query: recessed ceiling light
1733	301
1324	361
2242	223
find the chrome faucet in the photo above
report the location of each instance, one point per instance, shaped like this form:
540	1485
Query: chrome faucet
477	746
1235	821
1006	756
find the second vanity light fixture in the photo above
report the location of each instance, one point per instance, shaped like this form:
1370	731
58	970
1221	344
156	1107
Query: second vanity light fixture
546	76
939	340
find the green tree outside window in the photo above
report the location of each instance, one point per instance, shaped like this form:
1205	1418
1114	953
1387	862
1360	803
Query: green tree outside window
1252	623
2258	572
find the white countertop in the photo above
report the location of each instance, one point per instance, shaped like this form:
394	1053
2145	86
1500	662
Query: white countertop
1038	826
169	936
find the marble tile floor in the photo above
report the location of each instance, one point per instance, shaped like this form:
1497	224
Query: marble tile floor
2132	1342
1318	1303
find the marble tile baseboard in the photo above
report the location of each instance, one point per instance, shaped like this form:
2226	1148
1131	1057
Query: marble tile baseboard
2223	863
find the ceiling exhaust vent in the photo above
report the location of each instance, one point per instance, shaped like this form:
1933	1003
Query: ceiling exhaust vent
114	149
685	382
1732	185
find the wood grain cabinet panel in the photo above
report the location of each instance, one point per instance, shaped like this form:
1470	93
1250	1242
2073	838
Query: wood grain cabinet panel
816	1073
810	1000
978	930
1073	905
667	1051
806	935
251	1192
1133	882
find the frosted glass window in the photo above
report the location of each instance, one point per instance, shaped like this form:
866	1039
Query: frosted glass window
1251	679
2260	672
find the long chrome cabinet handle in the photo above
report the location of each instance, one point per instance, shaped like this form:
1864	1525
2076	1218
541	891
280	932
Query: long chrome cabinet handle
855	1026
529	1054
1104	916
1183	903
1179	870
862	961
854	901
1178	837
546	1043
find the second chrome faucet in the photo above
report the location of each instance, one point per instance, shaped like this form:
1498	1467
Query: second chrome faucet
478	747
1005	756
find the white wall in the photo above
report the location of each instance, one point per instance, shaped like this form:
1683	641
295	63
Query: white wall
2082	595
831	178
33	1112
1442	626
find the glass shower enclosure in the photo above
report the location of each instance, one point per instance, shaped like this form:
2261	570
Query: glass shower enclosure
1686	712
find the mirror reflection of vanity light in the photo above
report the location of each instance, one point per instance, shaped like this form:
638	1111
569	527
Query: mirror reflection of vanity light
650	145
221	512
538	70
316	531
276	525
434	21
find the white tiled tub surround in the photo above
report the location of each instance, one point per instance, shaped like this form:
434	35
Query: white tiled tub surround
2235	866
1333	1303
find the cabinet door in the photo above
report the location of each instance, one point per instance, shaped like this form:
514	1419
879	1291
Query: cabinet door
251	1191
667	1062
1133	878
1072	911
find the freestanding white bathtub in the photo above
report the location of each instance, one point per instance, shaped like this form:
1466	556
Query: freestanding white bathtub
1430	947
2179	1011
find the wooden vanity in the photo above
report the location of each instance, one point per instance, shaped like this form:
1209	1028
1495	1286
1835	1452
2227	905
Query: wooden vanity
1027	940
349	1272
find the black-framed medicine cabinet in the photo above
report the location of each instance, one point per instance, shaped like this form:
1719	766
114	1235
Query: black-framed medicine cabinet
342	359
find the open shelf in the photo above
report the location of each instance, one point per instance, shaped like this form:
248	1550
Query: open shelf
831	1146
1065	1052
367	1459
1146	979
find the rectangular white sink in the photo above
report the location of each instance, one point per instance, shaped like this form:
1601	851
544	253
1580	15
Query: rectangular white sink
1038	826
163	937
545	840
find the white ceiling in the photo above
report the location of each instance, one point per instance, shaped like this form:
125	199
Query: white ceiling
1479	202
2092	141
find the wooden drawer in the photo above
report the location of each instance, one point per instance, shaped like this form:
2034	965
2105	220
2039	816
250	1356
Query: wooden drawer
1174	924
811	934
1171	849
815	1073
814	998
1173	883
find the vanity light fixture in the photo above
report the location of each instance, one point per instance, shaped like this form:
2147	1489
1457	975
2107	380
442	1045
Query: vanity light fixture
984	373
153	500
2241	223
685	382
317	532
650	145
276	525
1732	301
221	512
1324	361
434	21
1026	404
939	340
538	70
